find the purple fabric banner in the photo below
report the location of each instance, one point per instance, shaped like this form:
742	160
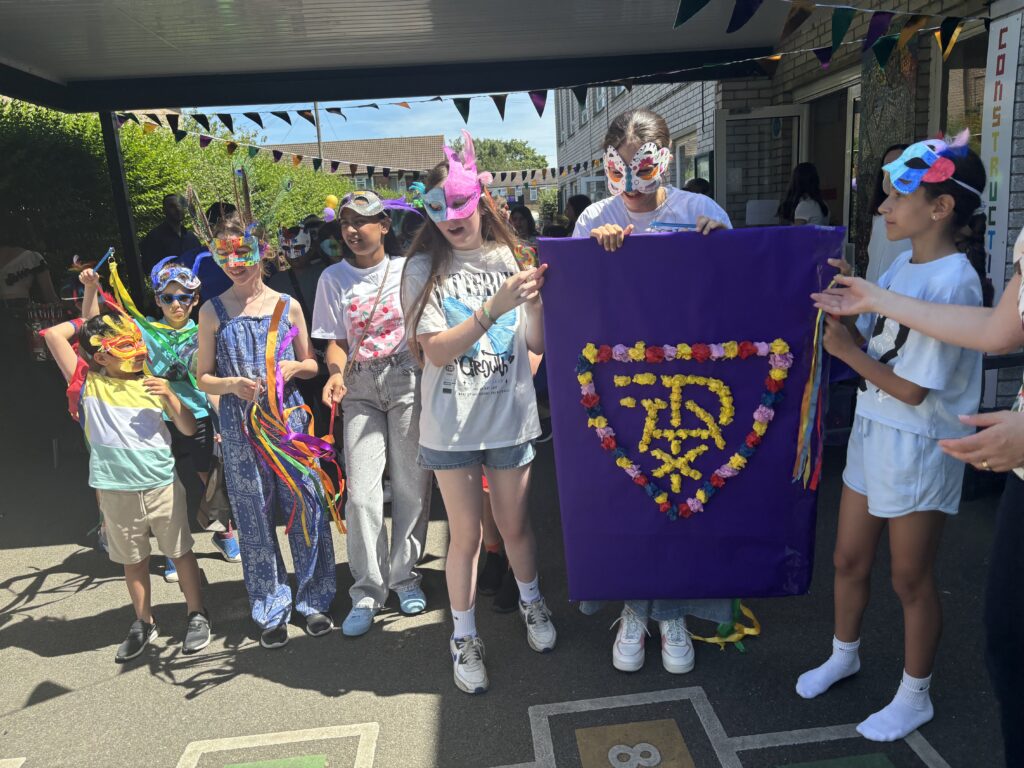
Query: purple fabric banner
676	481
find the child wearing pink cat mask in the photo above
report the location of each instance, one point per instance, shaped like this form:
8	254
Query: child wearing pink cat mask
359	312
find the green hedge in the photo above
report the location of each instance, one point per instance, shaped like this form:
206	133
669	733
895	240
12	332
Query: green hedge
55	191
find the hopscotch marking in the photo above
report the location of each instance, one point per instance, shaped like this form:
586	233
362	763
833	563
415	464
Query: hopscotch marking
727	748
366	749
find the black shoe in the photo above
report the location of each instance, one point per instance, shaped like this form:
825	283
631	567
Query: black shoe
488	581
507	599
197	633
276	637
318	624
138	638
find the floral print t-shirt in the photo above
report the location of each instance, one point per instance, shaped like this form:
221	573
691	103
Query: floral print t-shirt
344	302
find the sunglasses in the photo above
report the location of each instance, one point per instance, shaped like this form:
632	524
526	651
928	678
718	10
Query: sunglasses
167	299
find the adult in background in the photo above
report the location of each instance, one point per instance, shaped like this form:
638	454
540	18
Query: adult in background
881	250
574	206
803	203
169	237
521	219
698	186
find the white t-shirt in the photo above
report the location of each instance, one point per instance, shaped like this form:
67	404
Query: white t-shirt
951	375
882	251
680	207
344	300
485	398
808	210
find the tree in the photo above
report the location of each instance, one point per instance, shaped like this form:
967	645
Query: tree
504	154
548	205
55	192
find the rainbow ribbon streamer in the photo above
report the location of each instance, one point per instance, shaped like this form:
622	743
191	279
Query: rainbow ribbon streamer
160	333
812	408
294	456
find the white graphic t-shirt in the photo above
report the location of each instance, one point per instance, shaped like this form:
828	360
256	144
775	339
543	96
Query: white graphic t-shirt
344	301
951	374
485	398
680	207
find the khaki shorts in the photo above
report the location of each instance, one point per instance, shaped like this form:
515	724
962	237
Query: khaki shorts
132	516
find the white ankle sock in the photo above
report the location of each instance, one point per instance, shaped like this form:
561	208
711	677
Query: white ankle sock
529	591
909	710
465	623
844	661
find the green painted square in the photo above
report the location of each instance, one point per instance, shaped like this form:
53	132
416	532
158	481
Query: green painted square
306	761
858	761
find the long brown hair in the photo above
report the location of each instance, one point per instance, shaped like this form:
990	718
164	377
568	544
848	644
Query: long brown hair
430	240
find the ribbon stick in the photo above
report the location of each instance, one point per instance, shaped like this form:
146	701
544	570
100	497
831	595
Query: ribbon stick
294	457
807	469
735	631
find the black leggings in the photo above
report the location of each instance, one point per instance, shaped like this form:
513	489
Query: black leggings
1004	617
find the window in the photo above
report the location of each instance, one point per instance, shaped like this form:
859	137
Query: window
601	101
584	111
618	90
963	88
361	182
533	194
519	192
686	152
498	192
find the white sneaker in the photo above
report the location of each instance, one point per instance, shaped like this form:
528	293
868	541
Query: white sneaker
468	664
540	632
676	647
628	650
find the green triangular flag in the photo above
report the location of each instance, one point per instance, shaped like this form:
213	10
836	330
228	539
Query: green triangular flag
317	162
841	20
463	106
687	10
884	47
253	151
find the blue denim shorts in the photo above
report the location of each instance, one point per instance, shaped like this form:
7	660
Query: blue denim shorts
510	457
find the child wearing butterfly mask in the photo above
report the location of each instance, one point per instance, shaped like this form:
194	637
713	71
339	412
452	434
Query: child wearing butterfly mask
916	388
474	315
358	311
636	158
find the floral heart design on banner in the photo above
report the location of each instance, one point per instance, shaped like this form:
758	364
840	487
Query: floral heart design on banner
677	463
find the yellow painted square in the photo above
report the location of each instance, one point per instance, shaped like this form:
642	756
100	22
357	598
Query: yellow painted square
626	746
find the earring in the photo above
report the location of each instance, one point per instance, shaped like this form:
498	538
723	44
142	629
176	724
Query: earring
935	217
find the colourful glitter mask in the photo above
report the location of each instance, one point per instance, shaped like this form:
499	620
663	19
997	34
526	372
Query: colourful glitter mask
236	251
928	161
123	341
643	174
294	242
459	196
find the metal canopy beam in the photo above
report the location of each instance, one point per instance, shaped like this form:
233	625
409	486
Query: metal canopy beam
122	206
378	83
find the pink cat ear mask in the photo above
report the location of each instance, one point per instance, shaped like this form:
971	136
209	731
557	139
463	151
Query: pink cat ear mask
461	190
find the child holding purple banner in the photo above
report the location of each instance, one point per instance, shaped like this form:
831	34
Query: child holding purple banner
641	203
474	315
916	388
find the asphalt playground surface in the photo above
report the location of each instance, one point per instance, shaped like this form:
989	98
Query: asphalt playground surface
387	698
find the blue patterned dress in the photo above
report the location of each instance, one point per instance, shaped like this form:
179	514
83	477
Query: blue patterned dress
259	499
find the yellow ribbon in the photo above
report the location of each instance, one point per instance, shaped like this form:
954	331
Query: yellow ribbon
739	631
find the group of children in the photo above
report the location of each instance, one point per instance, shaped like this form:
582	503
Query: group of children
429	358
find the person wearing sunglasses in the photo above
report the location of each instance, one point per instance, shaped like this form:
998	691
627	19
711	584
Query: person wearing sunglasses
173	341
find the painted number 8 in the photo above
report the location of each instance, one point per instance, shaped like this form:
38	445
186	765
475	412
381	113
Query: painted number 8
642	755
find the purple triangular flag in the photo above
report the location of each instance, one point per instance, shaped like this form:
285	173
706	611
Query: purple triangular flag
879	25
204	141
277	153
540	100
334	166
824	55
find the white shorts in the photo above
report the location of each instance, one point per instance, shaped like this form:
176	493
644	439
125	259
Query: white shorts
901	472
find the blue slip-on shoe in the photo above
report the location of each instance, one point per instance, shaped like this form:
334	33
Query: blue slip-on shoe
170	572
411	600
358	621
228	548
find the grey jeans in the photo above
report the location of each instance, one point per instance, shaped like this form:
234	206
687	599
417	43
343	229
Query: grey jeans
381	417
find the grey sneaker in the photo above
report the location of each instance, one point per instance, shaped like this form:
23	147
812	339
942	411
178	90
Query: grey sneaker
197	633
540	632
468	664
138	638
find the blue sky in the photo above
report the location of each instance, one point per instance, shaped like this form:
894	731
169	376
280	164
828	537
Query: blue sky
521	121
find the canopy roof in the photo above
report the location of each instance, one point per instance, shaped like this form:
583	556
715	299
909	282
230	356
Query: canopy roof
88	55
